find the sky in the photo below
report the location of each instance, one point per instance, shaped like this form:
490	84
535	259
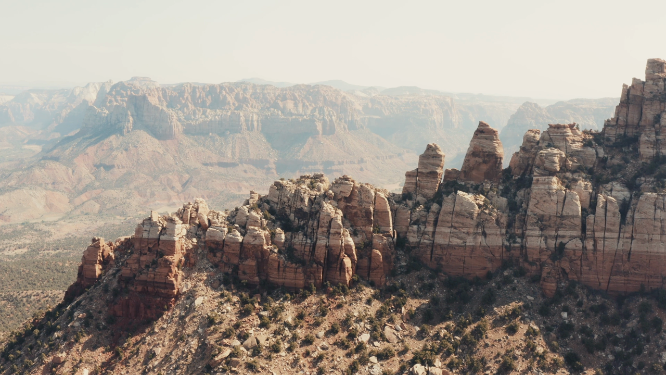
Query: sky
541	49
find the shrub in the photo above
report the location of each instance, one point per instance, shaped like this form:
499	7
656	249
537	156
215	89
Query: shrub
573	360
508	364
276	346
343	343
352	334
212	319
531	331
556	363
385	353
480	330
454	363
264	322
488	297
247	309
308	340
565	330
354	367
512	328
252	365
426	356
229	332
335	328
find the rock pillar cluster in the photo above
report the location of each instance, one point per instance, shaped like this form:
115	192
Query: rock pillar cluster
561	213
641	112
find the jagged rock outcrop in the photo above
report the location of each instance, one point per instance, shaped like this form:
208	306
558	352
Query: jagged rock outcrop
97	258
152	273
567	211
589	113
562	147
310	234
483	161
521	161
303	232
425	179
640	112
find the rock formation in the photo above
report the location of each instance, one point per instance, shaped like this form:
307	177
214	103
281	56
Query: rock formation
483	161
572	207
639	113
589	113
96	259
424	180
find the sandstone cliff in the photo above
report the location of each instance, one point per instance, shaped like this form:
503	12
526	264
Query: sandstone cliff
572	206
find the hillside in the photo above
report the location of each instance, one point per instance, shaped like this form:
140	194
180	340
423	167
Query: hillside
553	265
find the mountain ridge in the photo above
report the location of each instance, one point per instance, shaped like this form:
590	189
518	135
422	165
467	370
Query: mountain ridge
574	208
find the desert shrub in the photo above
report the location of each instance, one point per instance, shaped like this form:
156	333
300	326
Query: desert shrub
573	360
228	332
565	330
385	353
264	322
426	356
454	363
531	331
252	365
276	346
488	297
343	343
479	331
508	364
512	328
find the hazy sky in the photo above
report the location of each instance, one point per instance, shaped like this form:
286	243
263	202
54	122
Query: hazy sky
546	49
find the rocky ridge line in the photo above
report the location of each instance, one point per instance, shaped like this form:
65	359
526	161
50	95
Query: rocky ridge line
550	213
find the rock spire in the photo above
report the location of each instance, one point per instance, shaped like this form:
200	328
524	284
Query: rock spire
483	161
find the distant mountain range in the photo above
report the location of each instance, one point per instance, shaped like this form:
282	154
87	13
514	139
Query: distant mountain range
116	148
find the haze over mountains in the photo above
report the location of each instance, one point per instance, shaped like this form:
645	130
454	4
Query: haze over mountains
119	148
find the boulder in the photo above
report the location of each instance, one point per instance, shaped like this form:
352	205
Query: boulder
418	369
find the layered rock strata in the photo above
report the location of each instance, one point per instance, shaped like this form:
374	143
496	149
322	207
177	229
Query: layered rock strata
97	258
483	161
641	112
562	211
424	180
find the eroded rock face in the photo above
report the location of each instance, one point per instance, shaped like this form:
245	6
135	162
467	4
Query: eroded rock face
483	161
424	180
97	258
152	274
463	238
521	161
640	112
550	215
553	220
311	235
